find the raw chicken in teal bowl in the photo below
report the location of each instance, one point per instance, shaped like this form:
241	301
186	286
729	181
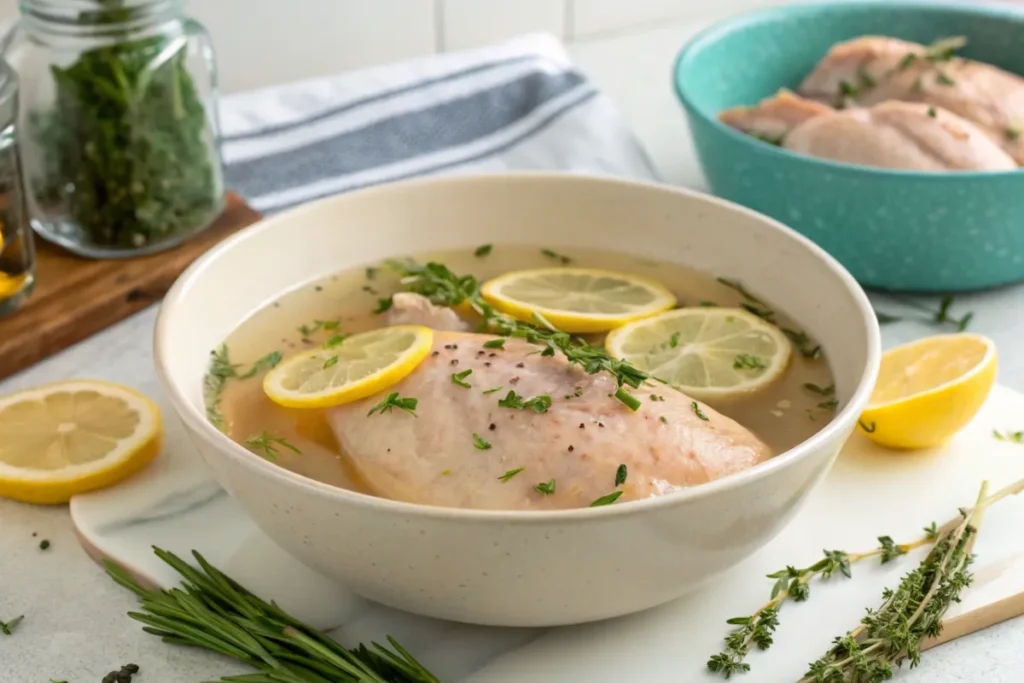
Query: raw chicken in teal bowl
891	134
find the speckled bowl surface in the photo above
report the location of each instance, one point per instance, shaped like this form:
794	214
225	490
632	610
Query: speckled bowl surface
517	568
897	230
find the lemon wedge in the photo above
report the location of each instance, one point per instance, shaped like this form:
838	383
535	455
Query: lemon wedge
577	299
929	390
359	366
75	436
706	352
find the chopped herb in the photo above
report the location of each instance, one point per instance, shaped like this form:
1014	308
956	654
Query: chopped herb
829	404
269	445
746	361
620	475
495	343
909	59
869	428
393	400
696	411
931	112
663	419
556	256
1013	437
307	330
266	363
483	250
436	282
371	273
830	390
384	304
545	487
539	404
765	314
803	343
511	473
459	378
942	315
606	499
333	360
943	79
334	341
480	443
775	140
44	544
673	341
7	627
918	85
708	304
491	391
744	292
944	49
657	397
631	401
445	473
846	89
866	79
1013	132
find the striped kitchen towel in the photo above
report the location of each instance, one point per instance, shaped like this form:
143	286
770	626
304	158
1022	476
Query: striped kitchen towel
516	106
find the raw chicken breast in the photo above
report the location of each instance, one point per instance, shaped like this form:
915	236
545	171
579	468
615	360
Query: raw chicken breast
413	309
875	69
899	135
435	457
774	117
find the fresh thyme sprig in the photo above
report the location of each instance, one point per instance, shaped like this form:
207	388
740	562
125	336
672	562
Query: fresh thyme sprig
893	633
756	630
214	612
438	283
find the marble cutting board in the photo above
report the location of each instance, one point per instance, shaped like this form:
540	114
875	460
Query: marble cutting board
176	505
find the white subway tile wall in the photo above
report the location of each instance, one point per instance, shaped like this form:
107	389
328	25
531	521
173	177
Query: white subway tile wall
264	42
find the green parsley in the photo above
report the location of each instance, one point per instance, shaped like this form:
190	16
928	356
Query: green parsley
333	360
821	391
459	378
492	390
829	404
393	400
480	443
545	487
268	362
334	341
620	475
483	250
495	343
696	411
384	304
511	473
746	361
606	499
539	404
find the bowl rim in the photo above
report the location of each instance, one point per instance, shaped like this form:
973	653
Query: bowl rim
196	422
723	27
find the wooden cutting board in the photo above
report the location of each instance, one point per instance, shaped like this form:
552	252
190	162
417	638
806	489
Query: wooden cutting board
75	298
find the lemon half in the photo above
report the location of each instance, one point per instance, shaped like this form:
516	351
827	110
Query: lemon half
929	390
360	366
706	352
75	436
577	299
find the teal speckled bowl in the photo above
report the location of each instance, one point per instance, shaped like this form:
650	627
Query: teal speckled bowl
897	230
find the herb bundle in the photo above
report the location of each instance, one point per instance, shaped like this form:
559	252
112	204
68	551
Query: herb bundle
214	612
127	152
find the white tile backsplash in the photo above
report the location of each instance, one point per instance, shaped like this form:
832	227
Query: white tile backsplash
470	23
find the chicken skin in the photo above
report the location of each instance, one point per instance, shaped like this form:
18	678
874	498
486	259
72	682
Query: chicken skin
873	69
897	135
525	431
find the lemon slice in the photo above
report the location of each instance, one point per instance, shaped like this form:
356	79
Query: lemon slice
75	436
359	366
706	352
929	390
577	299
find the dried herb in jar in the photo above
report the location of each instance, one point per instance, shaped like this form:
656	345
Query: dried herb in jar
128	151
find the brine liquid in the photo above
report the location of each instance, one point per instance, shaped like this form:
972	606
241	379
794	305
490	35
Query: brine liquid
783	415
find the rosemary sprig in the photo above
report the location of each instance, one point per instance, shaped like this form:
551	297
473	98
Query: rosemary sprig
893	633
214	612
438	283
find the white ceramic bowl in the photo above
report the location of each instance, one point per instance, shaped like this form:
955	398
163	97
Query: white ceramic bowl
517	568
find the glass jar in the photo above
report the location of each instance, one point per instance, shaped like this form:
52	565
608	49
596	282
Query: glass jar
17	259
118	124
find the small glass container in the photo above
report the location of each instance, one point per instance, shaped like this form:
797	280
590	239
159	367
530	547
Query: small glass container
17	259
118	124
